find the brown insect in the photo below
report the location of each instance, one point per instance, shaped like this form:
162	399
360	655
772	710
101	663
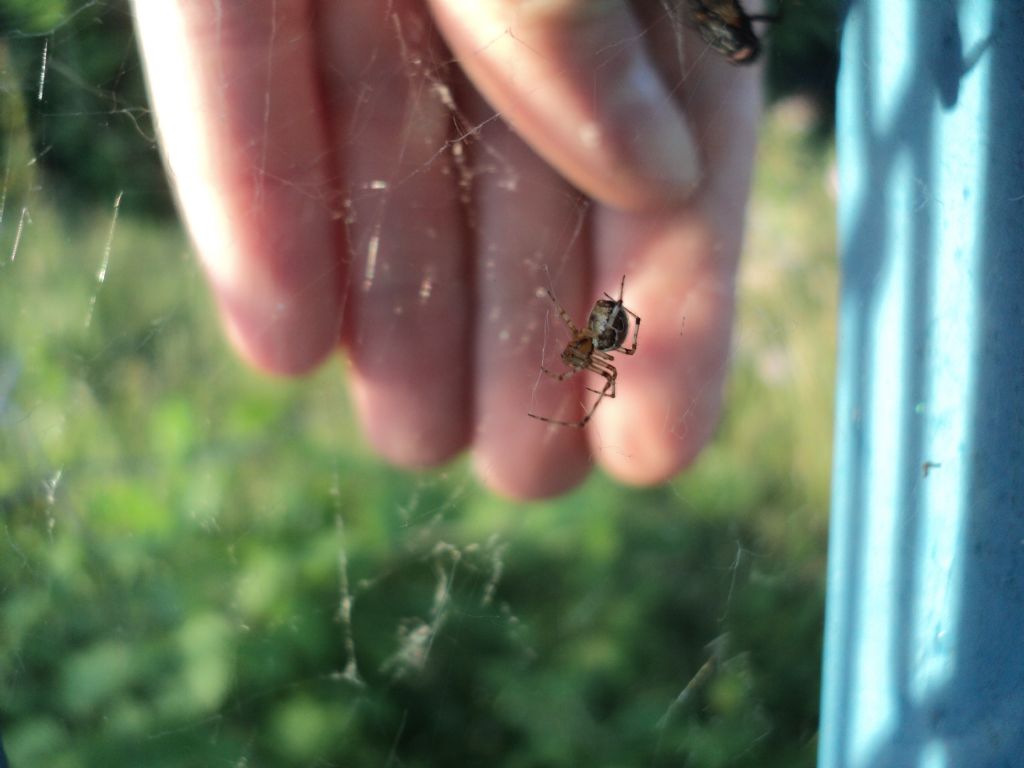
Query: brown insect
726	27
590	348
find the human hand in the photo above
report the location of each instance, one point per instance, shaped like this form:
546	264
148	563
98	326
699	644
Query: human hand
344	180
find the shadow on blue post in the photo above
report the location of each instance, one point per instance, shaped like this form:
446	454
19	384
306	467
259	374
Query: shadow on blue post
924	653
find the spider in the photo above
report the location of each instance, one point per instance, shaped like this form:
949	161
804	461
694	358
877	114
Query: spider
590	348
726	27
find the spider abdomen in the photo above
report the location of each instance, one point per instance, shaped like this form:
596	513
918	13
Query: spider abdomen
609	324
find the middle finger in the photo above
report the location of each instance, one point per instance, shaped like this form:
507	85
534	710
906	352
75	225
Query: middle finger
408	305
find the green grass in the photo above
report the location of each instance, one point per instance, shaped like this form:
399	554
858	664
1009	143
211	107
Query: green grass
170	539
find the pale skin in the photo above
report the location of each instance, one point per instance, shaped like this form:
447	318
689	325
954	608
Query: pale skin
319	152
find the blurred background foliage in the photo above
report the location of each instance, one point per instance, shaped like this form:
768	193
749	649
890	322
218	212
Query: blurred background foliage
201	566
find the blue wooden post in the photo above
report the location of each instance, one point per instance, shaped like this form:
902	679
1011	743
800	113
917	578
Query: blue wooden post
924	641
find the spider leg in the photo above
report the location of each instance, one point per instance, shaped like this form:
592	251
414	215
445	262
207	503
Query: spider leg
576	424
612	298
602	369
560	376
609	376
622	288
557	377
564	315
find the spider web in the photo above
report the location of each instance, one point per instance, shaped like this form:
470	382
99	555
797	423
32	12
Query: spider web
203	566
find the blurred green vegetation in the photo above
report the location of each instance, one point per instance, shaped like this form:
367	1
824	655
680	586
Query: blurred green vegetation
31	17
74	67
803	55
178	534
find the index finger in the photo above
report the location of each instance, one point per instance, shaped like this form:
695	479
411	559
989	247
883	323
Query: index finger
235	93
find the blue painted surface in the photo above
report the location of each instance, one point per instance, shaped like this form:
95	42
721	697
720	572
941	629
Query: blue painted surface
924	641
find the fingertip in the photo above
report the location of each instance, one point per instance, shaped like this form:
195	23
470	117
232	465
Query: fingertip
407	425
411	449
645	454
290	341
532	475
413	443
